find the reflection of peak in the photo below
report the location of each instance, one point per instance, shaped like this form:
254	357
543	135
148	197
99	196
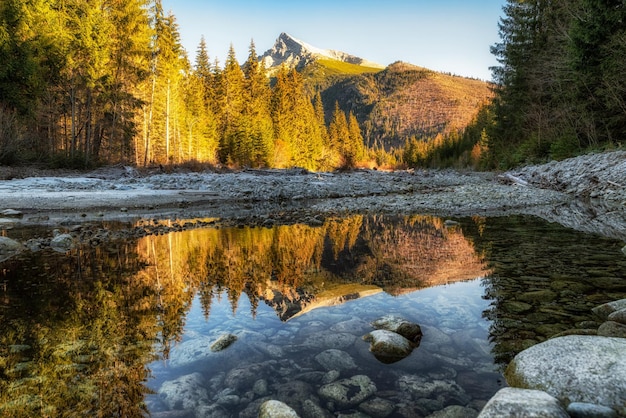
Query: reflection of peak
293	52
293	305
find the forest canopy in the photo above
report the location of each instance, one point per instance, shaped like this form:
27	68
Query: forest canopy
560	84
86	82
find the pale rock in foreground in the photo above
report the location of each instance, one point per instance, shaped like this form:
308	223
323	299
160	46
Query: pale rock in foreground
514	402
276	409
575	368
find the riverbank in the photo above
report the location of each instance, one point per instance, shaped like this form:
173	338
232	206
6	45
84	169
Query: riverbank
585	193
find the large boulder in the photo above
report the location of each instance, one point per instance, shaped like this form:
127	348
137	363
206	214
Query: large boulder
574	368
515	402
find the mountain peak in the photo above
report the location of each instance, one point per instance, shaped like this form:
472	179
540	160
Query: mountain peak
293	52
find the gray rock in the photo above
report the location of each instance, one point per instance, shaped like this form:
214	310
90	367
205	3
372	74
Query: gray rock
589	410
9	247
399	325
377	407
223	342
624	249
618	316
260	387
575	368
445	391
334	359
207	411
312	410
387	346
603	311
455	411
515	402
11	213
62	243
185	392
276	409
612	329
347	393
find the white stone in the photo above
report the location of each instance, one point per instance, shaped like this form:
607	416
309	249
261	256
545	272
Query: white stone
514	402
276	409
186	392
575	368
388	346
62	242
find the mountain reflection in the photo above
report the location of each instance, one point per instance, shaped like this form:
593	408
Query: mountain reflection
77	330
297	268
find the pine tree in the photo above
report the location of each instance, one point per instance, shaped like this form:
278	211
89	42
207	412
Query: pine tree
230	101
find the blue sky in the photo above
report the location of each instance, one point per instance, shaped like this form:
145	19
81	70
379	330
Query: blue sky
443	35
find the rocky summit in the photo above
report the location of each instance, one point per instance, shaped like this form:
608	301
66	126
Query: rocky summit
295	53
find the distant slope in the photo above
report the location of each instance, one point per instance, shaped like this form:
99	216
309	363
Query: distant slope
391	104
405	100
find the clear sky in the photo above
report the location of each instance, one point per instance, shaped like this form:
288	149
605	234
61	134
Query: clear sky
443	35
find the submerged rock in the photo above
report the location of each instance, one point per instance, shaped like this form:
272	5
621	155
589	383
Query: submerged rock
399	325
347	393
8	246
388	347
575	368
223	342
334	359
186	392
276	409
618	316
603	311
612	329
589	410
514	402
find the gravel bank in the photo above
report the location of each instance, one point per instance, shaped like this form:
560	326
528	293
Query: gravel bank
586	193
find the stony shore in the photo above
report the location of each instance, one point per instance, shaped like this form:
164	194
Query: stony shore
586	193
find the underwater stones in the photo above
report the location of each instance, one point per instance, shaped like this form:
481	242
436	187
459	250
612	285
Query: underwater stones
515	402
276	409
455	411
516	307
334	359
588	410
443	392
538	296
388	347
574	369
350	392
618	316
603	311
377	407
612	329
399	325
223	342
185	392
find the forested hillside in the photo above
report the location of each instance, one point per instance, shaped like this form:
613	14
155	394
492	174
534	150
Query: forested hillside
561	85
86	82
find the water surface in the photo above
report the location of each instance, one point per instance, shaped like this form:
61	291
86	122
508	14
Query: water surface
126	329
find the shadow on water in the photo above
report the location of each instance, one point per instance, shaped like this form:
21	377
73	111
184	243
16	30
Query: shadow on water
115	330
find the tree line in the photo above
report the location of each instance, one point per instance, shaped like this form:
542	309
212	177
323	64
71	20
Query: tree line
560	86
105	81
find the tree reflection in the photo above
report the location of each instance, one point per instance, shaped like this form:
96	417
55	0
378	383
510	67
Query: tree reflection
77	330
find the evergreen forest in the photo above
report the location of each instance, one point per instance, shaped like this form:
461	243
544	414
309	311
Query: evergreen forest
94	82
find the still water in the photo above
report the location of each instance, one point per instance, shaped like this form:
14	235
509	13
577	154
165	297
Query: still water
129	329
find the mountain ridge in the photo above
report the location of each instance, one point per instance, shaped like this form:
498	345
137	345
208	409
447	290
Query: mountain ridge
295	53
